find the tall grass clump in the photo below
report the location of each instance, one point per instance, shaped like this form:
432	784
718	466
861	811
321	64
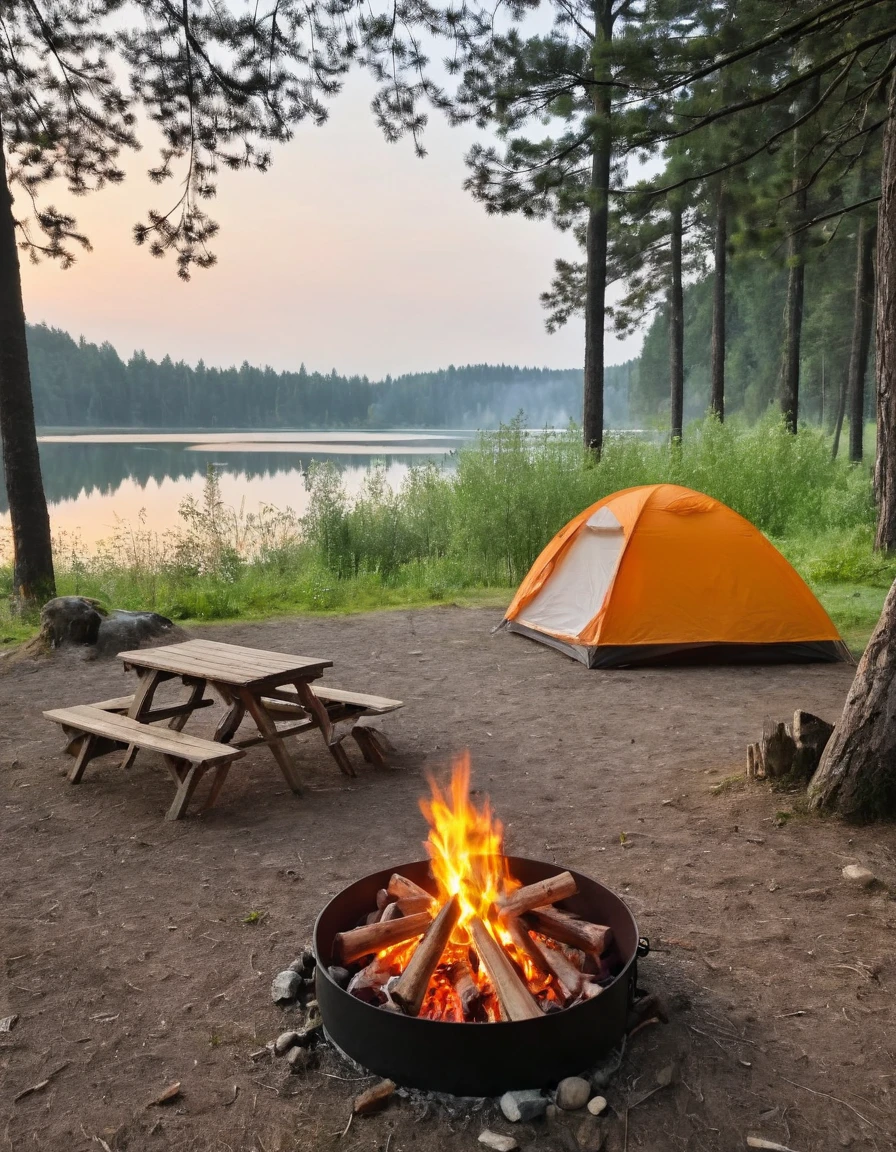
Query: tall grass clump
477	521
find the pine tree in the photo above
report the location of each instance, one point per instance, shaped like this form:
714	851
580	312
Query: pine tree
587	78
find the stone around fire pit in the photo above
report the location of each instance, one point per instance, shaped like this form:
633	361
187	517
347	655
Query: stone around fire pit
573	1093
498	1142
523	1106
285	987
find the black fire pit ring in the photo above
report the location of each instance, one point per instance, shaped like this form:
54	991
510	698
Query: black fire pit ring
476	1059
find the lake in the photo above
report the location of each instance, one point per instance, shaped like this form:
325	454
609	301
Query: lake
94	480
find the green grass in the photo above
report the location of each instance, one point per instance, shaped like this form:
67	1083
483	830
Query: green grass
469	534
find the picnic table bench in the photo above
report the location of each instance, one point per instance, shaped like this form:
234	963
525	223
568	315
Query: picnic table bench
95	732
263	685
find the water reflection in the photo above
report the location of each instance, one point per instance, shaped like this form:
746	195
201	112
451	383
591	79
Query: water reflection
95	481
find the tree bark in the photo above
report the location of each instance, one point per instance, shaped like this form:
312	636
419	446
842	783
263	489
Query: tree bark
857	774
596	240
33	579
717	342
793	314
863	315
676	328
885	468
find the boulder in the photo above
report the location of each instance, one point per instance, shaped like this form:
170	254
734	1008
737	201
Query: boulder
70	620
121	631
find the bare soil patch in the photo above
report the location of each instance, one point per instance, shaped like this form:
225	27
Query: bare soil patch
126	956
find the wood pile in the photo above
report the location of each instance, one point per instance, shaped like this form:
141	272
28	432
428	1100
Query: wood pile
527	957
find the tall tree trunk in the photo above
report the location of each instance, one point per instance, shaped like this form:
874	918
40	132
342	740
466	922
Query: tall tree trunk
861	336
841	412
33	580
717	342
676	328
885	468
596	237
857	774
793	313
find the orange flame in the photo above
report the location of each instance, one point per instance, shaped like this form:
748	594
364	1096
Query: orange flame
466	847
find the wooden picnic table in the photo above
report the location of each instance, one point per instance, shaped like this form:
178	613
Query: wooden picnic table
241	677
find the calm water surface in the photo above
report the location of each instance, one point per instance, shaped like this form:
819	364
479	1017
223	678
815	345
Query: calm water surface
95	480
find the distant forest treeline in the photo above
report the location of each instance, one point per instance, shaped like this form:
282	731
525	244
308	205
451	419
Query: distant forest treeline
78	384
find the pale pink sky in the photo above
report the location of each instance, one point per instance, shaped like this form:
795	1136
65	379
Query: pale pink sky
350	253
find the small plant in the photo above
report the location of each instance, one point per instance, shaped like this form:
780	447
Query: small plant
254	917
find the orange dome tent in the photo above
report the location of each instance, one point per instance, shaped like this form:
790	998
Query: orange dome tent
662	573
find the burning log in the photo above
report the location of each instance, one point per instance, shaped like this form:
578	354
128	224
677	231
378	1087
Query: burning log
568	980
410	905
400	888
408	993
515	999
538	895
392	911
461	976
568	929
358	942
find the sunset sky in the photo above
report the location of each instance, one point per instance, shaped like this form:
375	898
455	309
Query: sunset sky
350	253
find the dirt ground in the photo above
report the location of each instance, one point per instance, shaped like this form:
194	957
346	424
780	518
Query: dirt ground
126	956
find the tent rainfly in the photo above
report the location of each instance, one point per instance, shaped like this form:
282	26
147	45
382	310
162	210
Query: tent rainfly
663	574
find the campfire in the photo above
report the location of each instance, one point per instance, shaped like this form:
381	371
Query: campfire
480	947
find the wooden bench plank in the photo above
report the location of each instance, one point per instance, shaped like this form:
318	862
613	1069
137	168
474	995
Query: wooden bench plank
286	701
122	704
110	725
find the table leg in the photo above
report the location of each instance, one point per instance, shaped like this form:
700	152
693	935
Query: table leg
268	730
318	711
217	784
229	724
198	691
142	703
185	792
85	754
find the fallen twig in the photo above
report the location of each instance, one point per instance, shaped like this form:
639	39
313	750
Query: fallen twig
43	1083
102	1143
828	1096
785	1015
346	1128
769	1145
644	1024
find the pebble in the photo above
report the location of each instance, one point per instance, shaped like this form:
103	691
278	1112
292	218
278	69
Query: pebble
373	1099
573	1093
590	1135
497	1141
284	1042
856	874
523	1106
597	1105
301	1059
285	987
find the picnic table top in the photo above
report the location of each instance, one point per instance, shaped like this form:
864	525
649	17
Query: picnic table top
226	663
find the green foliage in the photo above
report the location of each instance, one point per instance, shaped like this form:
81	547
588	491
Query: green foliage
446	533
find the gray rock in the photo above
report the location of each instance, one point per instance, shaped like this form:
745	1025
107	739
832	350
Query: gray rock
597	1105
590	1135
121	631
861	877
285	987
284	1042
340	976
71	620
523	1106
308	963
498	1142
573	1093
